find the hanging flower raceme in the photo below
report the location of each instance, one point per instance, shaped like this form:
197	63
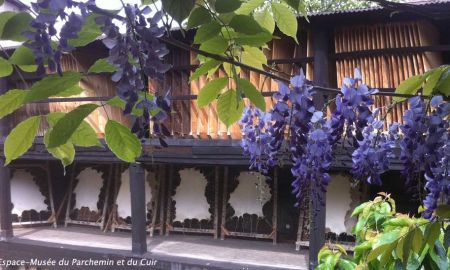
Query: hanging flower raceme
280	116
371	157
138	55
311	167
437	157
413	148
352	111
42	38
255	142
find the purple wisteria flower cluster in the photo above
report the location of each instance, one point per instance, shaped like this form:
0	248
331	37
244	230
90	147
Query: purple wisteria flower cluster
138	55
41	38
311	168
352	111
255	123
437	157
309	136
371	157
412	145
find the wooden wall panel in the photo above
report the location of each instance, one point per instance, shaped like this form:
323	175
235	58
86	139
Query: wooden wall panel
205	122
386	71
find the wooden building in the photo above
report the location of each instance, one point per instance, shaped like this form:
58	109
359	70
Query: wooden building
198	190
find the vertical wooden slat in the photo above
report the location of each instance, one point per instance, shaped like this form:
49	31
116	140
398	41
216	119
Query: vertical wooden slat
162	210
169	199
138	206
224	203
216	200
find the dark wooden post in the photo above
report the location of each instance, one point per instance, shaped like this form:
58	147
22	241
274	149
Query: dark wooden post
6	230
138	209
321	78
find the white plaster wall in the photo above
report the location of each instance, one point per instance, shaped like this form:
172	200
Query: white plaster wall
250	195
190	199
88	189
25	194
123	198
338	204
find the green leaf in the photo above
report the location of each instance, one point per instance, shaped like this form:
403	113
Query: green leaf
407	246
124	144
253	94
447	238
359	209
226	6
21	138
443	211
295	4
388	237
377	252
216	45
116	102
52	86
438	255
417	241
11	101
4	18
204	68
245	24
409	86
119	103
346	264
285	19
84	135
102	65
432	232
198	17
323	253
72	91
89	33
249	6
254	57
15	26
23	57
228	109
256	40
207	32
265	19
65	153
178	10
432	80
1	2
387	255
211	90
444	84
6	68
66	126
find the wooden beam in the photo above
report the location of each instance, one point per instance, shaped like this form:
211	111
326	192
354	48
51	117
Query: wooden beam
169	198
275	205
138	206
6	229
164	192
224	204
50	193
69	194
216	201
317	211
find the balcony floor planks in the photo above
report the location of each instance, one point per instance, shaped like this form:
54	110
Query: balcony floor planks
188	250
